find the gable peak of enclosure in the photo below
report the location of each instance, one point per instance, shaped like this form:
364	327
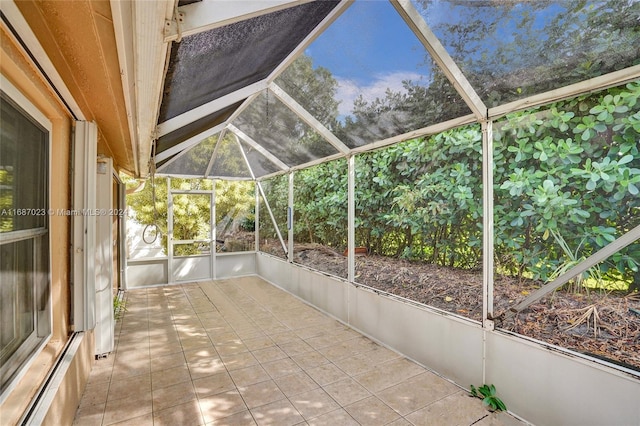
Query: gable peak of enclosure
282	85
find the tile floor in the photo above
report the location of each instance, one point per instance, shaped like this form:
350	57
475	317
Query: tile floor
243	352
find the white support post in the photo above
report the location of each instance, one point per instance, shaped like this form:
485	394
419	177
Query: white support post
85	145
351	220
256	217
213	231
170	278
487	224
290	217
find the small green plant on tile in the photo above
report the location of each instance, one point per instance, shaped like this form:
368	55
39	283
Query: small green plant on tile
119	307
489	398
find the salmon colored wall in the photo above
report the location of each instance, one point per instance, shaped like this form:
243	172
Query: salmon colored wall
16	68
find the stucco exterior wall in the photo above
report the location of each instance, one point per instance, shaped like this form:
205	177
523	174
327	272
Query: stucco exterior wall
20	71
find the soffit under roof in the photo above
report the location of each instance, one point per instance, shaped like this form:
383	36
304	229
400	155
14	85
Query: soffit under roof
383	71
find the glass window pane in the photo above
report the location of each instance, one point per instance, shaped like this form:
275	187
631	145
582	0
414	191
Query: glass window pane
16	297
274	126
23	170
368	77
510	50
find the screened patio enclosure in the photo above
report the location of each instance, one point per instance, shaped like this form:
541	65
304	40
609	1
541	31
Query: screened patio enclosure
501	137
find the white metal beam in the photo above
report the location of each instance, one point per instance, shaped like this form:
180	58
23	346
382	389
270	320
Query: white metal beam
209	14
209	108
587	86
417	24
255	145
182	146
308	118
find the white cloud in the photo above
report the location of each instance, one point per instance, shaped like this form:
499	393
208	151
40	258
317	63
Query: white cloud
349	90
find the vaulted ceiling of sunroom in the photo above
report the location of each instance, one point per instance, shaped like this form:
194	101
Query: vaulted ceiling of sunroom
291	84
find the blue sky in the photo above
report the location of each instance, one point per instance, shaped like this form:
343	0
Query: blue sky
369	49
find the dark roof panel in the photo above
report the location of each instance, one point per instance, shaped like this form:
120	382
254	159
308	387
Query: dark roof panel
214	63
182	134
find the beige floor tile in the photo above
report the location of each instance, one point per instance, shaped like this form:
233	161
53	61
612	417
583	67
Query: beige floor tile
130	387
281	367
206	368
417	392
296	383
371	412
285	337
95	393
334	418
269	354
170	376
356	364
119	410
309	360
313	403
249	375
187	413
259	342
144	420
123	372
388	374
281	413
456	409
196	343
322	341
89	415
400	422
167	361
222	405
173	395
203	354
325	374
244	418
213	384
239	360
231	348
346	391
295	347
261	393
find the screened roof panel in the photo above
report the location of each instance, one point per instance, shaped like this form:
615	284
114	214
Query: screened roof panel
368	77
228	160
281	132
194	161
214	63
260	165
511	50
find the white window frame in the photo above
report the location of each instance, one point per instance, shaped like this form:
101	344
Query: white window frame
34	344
